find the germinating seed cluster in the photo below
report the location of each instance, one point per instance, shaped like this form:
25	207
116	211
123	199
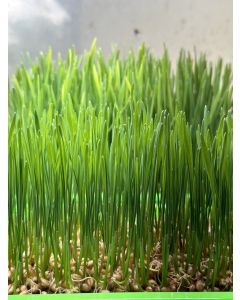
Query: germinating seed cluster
120	174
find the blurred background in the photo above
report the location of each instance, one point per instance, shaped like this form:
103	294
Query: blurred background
202	24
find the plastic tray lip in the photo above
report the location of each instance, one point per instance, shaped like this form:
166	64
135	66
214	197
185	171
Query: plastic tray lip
130	296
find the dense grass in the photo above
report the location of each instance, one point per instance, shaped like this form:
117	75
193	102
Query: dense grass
121	152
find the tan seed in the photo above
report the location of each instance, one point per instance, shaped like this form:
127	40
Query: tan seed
117	276
104	291
47	275
23	288
76	277
173	287
103	272
85	288
165	289
90	282
9	275
135	287
179	258
90	272
35	289
90	264
10	289
44	283
190	270
156	288
72	269
152	282
199	274
192	288
199	286
53	288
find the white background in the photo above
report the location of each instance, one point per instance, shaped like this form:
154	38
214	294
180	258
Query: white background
204	24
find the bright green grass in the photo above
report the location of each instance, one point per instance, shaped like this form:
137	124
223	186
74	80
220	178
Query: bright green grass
134	296
121	150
